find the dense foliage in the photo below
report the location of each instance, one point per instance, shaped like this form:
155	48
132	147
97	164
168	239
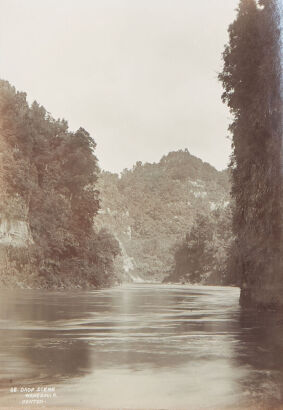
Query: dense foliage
203	255
48	178
153	206
252	89
50	185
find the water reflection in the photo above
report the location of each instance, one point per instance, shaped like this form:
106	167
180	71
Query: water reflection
260	350
141	346
35	347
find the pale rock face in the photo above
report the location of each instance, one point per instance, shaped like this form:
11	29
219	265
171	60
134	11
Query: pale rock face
129	232
129	265
219	205
198	183
15	233
128	262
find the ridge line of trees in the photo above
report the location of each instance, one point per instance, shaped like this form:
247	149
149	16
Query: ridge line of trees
48	179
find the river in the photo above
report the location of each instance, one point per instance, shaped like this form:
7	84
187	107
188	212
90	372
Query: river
138	346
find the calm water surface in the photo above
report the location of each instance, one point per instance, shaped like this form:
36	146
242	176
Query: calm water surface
140	346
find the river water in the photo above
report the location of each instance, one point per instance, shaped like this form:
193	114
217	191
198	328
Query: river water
138	346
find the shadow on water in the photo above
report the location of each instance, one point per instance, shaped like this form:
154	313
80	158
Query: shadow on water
55	336
260	351
188	343
35	347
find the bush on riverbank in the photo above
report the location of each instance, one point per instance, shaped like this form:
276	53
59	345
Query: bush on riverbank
202	256
50	175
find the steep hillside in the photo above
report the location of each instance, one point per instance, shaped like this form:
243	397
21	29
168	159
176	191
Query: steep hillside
56	230
48	201
152	206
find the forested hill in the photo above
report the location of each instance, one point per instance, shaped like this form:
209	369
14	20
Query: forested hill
48	178
151	207
64	223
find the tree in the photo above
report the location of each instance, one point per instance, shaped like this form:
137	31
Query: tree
202	256
48	181
251	78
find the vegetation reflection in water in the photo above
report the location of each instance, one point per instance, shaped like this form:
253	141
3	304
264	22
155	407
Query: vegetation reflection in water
141	346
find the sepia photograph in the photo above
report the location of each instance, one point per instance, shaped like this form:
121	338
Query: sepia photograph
141	204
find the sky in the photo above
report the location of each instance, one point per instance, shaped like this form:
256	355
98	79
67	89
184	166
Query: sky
139	75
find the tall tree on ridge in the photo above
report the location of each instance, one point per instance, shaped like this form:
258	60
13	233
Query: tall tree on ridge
251	78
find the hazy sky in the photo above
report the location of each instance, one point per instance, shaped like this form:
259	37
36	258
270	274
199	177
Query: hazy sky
139	75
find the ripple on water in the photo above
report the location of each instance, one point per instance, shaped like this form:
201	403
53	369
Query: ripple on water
148	346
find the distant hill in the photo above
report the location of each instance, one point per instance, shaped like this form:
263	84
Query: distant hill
58	231
152	206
